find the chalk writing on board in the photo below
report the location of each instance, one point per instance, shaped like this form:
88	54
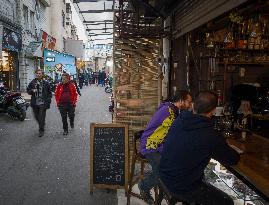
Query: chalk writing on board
109	155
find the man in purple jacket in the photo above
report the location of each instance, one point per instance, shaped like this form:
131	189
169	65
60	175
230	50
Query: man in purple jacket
153	138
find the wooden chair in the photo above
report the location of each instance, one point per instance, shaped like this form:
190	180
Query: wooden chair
136	158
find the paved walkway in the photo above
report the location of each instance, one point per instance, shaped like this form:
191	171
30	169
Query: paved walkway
53	169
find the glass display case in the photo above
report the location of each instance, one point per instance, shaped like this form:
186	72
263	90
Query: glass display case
221	178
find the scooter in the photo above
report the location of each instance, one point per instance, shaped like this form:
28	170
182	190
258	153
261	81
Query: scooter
13	104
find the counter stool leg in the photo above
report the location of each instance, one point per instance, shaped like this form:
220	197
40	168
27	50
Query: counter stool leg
172	202
142	168
159	197
131	180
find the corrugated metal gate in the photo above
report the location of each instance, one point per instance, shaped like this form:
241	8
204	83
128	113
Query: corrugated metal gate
189	15
192	14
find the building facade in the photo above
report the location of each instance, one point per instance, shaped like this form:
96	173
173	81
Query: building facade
10	44
48	22
26	28
34	19
58	23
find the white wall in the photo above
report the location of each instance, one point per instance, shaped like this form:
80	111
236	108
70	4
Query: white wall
57	29
75	47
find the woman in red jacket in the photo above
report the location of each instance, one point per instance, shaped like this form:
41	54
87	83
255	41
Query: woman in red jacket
66	99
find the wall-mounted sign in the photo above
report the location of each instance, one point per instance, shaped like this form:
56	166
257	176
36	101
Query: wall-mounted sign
11	40
47	40
34	49
55	63
50	59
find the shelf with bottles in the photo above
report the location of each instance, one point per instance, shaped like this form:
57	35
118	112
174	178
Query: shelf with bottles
245	49
244	63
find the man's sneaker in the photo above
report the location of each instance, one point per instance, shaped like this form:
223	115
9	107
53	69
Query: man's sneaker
65	132
146	195
41	134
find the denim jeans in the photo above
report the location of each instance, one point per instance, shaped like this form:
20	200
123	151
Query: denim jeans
151	180
205	194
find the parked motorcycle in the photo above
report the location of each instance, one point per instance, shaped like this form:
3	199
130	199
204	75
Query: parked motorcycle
13	104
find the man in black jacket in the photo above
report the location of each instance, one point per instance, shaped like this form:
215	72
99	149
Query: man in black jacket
41	95
190	144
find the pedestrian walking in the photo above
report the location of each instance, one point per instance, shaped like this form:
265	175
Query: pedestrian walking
111	80
41	95
100	78
103	78
96	77
66	98
74	81
80	80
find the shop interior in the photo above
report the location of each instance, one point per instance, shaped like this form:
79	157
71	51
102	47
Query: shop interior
230	55
8	71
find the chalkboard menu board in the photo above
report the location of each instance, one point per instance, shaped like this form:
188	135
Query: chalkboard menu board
109	156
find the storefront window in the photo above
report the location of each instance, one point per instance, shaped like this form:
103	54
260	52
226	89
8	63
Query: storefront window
8	70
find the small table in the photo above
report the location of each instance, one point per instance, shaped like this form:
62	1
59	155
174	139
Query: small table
253	167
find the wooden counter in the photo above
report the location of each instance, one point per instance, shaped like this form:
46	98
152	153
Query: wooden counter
253	167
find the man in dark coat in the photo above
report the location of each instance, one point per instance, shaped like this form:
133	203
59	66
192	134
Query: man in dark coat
41	95
190	143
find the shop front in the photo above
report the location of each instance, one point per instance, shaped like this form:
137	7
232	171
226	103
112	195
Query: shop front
9	64
228	52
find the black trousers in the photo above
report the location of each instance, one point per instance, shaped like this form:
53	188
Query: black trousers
206	194
40	116
67	109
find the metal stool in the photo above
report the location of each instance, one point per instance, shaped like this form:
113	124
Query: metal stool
165	193
136	157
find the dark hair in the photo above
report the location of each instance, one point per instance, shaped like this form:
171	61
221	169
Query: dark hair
39	70
179	95
205	102
65	74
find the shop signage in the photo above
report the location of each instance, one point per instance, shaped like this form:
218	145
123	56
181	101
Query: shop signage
34	49
50	59
55	63
11	40
47	40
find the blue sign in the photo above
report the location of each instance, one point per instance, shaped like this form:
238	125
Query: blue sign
55	63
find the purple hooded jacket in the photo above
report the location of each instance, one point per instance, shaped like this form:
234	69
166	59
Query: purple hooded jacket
159	116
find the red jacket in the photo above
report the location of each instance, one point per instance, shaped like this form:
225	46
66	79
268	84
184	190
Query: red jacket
59	91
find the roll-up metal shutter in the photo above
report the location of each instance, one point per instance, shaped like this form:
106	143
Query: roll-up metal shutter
192	14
